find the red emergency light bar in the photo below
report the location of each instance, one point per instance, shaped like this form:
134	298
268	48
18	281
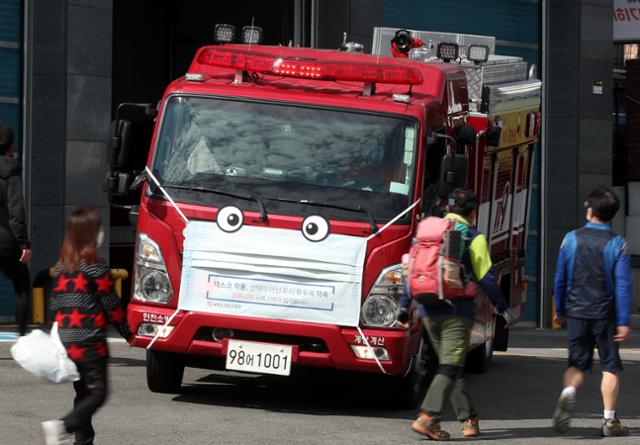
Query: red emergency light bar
242	60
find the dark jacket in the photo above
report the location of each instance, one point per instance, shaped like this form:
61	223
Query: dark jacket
13	229
593	276
86	304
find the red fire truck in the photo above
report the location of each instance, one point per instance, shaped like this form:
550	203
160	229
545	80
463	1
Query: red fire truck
284	184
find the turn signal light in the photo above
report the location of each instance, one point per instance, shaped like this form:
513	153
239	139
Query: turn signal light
367	353
151	329
393	277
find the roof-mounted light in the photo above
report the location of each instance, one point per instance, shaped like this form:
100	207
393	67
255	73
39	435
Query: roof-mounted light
243	60
194	77
478	53
448	51
252	35
224	33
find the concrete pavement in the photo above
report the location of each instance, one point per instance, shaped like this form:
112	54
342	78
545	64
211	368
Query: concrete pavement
516	400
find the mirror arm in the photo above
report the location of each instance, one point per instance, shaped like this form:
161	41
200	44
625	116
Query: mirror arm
445	136
138	180
148	108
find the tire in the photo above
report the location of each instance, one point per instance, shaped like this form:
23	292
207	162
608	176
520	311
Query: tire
164	372
479	358
409	390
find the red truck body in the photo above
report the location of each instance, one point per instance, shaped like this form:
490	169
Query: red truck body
438	104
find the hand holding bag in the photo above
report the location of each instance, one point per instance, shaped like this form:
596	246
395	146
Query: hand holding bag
44	356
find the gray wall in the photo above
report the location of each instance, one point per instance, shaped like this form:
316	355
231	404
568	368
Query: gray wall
355	17
578	123
67	115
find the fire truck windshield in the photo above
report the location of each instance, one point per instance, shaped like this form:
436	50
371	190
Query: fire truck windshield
281	150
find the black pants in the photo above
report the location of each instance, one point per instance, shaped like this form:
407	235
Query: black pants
91	393
18	273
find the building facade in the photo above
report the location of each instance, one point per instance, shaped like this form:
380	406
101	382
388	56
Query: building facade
11	54
71	62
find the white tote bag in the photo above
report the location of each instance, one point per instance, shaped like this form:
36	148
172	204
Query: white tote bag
44	356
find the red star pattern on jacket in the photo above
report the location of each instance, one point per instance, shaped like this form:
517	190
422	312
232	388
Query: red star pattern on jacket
76	353
80	283
75	319
59	319
62	284
84	311
101	349
99	321
104	284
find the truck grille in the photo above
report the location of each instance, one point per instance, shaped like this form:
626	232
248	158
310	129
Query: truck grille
304	344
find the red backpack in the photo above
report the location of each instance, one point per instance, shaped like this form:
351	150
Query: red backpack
436	272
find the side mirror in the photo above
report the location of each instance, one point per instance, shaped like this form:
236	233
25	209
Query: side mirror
126	144
466	135
453	173
121	134
493	136
118	183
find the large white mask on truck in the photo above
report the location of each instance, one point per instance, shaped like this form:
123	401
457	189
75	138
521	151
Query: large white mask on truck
306	275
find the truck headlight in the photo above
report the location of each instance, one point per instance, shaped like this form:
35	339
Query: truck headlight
151	283
382	305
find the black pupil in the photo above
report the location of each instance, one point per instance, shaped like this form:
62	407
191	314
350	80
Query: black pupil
312	228
233	219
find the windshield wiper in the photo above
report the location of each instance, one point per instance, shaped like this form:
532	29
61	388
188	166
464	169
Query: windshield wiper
372	221
248	197
262	209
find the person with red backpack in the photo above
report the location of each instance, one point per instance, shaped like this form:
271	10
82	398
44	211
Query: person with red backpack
445	263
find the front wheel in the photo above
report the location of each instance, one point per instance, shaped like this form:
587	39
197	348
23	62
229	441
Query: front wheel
409	390
164	372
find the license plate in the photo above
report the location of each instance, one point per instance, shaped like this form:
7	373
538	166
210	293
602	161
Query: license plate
261	358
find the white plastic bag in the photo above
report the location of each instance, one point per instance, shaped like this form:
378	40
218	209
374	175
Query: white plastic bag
44	356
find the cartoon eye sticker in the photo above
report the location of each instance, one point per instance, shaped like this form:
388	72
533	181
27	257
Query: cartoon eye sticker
315	228
230	219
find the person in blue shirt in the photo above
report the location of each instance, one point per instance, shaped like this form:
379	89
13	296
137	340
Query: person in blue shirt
592	290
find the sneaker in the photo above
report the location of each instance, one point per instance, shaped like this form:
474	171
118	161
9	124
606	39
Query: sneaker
471	427
430	427
564	410
613	427
55	433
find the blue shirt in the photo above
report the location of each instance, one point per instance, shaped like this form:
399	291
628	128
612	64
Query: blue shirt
593	275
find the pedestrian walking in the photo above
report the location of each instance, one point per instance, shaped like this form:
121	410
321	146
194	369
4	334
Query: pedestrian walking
449	325
593	297
15	249
85	303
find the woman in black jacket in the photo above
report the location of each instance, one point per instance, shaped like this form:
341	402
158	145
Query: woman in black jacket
15	251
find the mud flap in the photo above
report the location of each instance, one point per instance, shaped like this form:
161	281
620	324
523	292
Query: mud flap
501	337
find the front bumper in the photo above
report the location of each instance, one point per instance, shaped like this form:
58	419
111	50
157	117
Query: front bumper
335	351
